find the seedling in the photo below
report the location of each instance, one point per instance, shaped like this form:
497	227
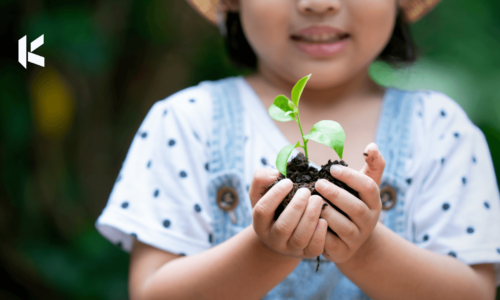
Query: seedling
325	132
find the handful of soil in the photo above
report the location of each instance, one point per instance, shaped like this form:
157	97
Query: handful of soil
304	176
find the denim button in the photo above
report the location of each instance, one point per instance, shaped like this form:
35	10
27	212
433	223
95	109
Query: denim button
388	197
227	198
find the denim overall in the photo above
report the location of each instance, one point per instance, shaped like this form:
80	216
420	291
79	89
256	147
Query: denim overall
226	170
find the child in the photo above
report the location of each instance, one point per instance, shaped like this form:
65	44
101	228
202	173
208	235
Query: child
192	182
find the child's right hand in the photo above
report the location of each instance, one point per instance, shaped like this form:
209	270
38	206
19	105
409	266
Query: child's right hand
299	231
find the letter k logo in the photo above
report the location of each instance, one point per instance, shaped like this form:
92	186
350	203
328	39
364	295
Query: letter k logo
32	58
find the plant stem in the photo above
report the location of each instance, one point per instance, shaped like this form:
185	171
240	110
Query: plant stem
302	133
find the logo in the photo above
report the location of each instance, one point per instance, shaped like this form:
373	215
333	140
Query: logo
32	58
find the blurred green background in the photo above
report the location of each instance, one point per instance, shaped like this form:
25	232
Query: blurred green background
66	128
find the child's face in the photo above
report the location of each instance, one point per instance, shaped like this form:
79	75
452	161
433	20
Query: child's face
272	28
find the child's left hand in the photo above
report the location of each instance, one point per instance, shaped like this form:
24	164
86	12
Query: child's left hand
364	213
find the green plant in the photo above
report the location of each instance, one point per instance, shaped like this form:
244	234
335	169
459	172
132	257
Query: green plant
325	132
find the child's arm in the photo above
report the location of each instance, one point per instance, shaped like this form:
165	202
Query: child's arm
242	267
389	267
386	266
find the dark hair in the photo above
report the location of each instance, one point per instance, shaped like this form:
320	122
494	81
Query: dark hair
399	51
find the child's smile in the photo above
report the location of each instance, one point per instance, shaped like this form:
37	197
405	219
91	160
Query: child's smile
335	40
320	41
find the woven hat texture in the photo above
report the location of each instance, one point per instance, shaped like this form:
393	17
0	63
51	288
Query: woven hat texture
413	9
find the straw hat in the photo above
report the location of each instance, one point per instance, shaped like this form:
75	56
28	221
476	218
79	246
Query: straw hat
413	9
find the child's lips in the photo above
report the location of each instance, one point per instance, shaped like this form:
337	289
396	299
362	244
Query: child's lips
320	37
317	48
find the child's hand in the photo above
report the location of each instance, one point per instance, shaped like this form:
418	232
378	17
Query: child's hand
299	231
364	214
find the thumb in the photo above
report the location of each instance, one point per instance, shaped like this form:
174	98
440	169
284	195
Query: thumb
262	178
374	163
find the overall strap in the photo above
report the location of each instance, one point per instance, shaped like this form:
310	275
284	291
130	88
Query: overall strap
226	148
393	141
227	161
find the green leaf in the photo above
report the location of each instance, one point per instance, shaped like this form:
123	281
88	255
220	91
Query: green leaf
328	133
282	159
279	115
298	88
283	103
280	109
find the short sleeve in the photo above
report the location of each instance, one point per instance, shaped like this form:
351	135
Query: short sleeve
160	196
457	209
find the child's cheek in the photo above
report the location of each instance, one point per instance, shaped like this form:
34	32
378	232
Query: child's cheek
372	23
266	26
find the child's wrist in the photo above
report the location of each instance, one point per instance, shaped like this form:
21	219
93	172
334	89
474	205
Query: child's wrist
266	250
367	251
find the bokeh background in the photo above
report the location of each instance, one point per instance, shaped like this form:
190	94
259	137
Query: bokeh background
66	128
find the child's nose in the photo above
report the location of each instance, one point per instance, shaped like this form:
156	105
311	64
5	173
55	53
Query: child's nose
319	6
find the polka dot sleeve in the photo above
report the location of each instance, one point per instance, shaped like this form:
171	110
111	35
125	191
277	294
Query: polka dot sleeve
160	195
457	207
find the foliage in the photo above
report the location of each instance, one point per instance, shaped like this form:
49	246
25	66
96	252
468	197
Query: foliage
325	132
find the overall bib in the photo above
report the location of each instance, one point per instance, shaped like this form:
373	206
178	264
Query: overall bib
231	206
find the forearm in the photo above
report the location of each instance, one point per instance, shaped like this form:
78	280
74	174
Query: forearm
240	268
389	267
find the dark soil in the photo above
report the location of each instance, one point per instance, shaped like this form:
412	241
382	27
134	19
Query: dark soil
303	175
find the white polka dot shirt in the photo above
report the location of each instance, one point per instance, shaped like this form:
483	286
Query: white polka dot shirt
160	196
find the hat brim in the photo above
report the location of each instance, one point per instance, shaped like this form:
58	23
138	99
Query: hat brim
207	8
412	9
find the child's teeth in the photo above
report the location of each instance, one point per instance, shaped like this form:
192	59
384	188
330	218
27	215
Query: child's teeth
321	38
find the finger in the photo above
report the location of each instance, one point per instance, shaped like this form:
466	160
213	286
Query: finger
263	212
364	185
303	233
335	249
345	228
262	178
374	163
317	244
348	203
283	228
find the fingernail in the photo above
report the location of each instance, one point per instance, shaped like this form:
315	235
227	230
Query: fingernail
335	170
320	184
274	172
285	182
320	224
371	147
302	192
